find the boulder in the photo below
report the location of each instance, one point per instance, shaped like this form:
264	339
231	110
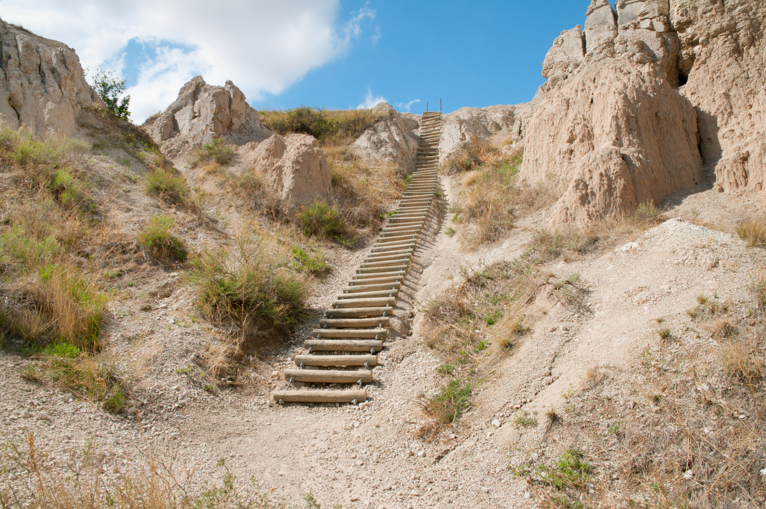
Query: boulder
42	85
296	170
393	140
203	112
612	106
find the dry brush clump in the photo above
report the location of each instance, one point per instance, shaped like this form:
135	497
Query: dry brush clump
250	291
683	427
492	197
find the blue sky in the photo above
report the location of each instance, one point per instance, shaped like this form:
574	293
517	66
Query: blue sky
335	54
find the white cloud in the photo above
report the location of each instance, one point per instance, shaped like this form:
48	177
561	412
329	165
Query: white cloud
263	46
371	101
408	105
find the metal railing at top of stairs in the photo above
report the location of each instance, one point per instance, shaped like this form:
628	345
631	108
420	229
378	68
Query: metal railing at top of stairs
440	106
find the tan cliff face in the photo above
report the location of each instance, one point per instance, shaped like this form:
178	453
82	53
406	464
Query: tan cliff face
644	99
42	85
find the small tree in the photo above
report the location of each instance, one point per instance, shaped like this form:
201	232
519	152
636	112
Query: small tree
110	88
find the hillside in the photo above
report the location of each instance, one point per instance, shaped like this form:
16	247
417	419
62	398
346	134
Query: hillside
582	324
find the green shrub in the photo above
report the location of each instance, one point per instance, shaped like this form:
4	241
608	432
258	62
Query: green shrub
646	213
111	89
313	263
249	286
216	151
321	220
156	237
167	185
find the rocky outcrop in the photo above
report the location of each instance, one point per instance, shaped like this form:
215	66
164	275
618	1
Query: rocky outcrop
296	170
42	85
203	112
467	124
674	87
723	62
393	140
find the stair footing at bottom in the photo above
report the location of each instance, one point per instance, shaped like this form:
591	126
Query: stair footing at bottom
321	396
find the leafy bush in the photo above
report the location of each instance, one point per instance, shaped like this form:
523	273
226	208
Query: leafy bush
167	185
156	236
249	286
327	126
214	151
111	89
321	220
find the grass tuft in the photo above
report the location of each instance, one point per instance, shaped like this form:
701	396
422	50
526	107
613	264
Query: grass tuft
753	232
452	400
157	237
167	185
215	151
321	220
328	126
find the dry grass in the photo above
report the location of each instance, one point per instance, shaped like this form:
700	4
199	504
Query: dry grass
363	193
492	198
753	232
330	127
249	290
87	482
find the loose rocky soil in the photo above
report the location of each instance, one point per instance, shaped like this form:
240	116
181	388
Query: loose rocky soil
369	455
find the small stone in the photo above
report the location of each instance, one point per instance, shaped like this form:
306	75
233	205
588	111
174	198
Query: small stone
422	454
496	423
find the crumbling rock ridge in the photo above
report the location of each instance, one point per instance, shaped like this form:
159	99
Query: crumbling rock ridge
42	85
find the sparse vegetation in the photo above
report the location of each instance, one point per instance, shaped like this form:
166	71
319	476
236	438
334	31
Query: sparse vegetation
647	215
157	238
168	185
565	244
312	263
525	419
491	197
111	89
664	333
327	126
452	400
215	151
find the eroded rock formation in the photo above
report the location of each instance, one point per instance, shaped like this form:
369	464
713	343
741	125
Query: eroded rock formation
296	170
42	85
393	140
644	98
468	124
203	112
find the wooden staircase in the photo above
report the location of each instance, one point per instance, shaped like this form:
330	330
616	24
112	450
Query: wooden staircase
355	328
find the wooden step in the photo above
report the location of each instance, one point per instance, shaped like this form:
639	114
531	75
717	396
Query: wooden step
356	323
359	312
327	376
368	361
394	273
391	292
404	257
377	270
383	248
344	345
323	396
385	263
364	288
376	280
364	303
350	333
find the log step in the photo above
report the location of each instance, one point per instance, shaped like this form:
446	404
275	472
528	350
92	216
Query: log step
363	303
358	289
325	396
336	360
381	293
322	376
359	312
350	333
355	323
344	345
